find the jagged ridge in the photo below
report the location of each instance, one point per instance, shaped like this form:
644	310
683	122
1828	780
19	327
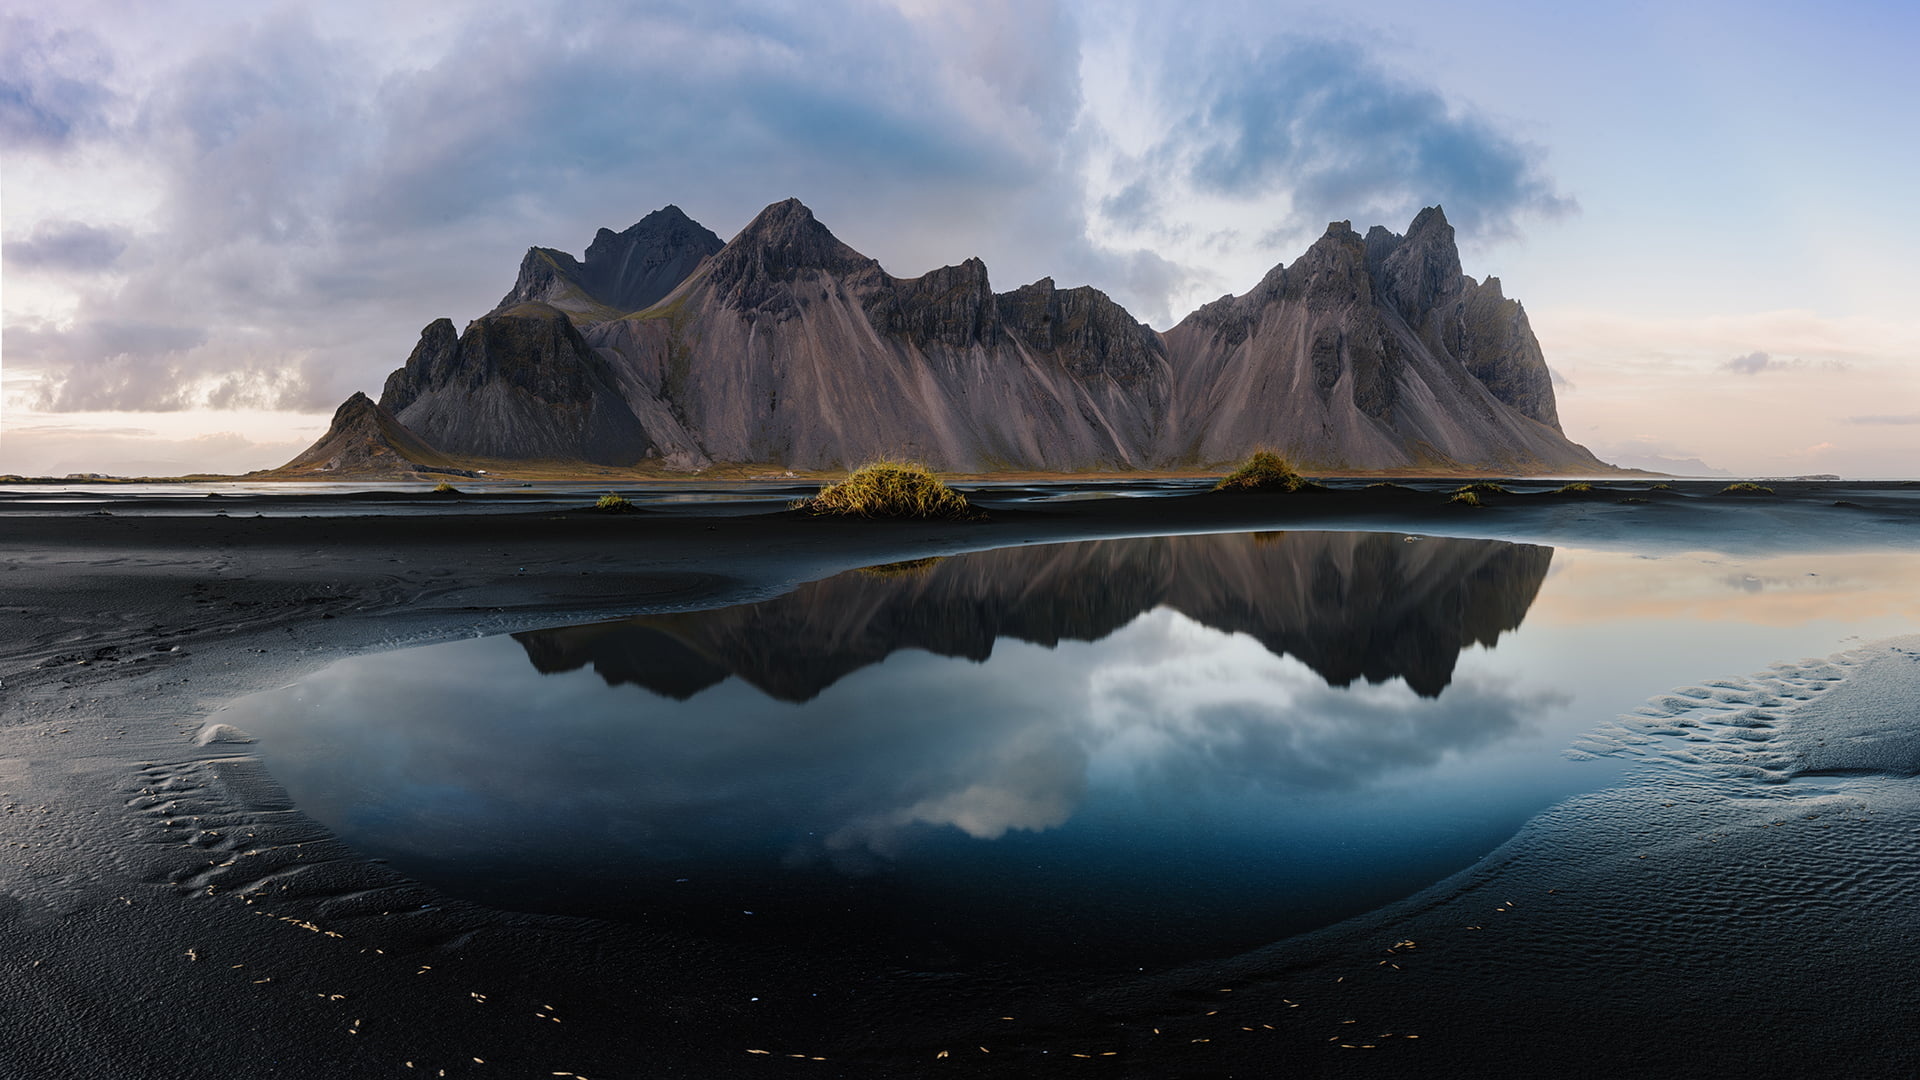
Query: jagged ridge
787	346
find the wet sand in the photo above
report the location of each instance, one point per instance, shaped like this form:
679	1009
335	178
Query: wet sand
164	912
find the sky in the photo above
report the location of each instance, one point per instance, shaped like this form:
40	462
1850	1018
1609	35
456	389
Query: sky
219	220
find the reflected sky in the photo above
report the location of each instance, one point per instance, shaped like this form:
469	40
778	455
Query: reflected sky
1084	751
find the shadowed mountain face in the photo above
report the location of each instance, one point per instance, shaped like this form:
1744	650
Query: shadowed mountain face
623	272
520	383
1349	605
787	346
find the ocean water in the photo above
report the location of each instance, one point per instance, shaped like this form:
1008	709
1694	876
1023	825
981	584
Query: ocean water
1112	753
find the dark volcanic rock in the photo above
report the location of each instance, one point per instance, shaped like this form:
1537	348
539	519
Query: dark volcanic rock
518	384
365	439
774	250
623	272
1083	329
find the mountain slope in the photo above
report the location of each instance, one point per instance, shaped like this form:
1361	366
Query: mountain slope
1374	353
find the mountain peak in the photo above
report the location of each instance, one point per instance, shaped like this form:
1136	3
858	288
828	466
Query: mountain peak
1431	217
1423	268
790	229
780	243
623	271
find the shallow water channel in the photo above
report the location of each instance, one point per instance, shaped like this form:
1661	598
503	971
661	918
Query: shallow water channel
1117	752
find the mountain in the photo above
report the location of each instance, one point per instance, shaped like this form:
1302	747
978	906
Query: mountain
623	272
1372	352
789	346
786	346
520	383
367	440
1348	605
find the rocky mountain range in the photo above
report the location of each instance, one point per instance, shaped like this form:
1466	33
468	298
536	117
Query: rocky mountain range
664	347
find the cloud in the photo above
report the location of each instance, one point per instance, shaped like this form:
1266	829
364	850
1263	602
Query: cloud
1754	363
65	245
1901	420
1342	134
36	449
315	207
1305	130
312	196
50	85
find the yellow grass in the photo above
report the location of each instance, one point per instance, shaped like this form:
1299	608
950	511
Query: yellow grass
1265	471
889	489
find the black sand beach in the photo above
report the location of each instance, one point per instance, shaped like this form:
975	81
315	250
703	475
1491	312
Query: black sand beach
164	912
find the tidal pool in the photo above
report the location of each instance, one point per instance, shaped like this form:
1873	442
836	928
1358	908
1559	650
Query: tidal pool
1112	753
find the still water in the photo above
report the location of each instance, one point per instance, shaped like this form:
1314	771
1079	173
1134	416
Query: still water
1123	752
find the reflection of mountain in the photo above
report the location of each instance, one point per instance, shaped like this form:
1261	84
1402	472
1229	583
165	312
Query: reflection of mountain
1348	605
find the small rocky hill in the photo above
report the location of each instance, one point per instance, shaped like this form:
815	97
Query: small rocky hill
365	441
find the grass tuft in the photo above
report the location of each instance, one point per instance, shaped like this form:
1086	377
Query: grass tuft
1578	487
1481	488
1266	471
905	569
1745	488
444	488
614	504
1466	496
889	489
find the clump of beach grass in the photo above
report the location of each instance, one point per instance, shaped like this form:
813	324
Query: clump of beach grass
1578	487
1466	496
1745	488
905	568
444	488
1480	488
611	503
1266	471
889	489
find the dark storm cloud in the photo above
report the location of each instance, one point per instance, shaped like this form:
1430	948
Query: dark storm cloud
65	245
316	209
1322	123
51	88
